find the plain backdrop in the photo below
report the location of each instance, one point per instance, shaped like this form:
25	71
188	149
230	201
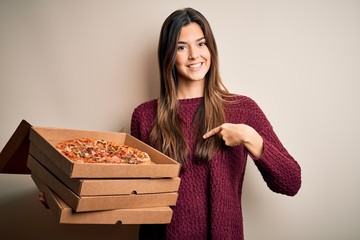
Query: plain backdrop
87	64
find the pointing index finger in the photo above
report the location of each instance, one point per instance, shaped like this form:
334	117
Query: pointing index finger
212	132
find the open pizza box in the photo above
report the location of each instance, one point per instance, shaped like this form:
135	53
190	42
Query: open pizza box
45	140
66	215
13	157
100	202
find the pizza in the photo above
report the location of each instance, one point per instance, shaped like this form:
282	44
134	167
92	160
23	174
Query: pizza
90	150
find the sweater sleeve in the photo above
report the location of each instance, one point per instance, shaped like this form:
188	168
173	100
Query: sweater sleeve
142	120
279	169
135	124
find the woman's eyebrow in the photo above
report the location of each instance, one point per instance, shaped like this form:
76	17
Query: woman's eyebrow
197	40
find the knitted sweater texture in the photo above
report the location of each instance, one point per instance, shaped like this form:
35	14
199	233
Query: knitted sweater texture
209	201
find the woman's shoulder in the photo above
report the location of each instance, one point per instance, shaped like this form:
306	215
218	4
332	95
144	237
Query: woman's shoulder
146	107
243	108
242	104
239	100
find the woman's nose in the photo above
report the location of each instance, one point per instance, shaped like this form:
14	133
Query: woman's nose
193	53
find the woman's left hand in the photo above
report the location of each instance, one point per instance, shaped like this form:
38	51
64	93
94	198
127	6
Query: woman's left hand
237	134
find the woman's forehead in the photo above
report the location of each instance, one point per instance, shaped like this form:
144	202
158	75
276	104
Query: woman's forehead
191	33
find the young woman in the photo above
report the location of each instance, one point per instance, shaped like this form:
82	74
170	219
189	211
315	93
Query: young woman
210	131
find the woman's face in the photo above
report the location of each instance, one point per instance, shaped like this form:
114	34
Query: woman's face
193	57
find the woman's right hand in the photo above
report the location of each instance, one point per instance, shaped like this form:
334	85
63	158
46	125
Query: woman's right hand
236	134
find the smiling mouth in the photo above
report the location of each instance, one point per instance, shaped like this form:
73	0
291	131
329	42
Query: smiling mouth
195	66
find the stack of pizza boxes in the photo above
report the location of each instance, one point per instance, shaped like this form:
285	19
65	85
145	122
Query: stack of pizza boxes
95	193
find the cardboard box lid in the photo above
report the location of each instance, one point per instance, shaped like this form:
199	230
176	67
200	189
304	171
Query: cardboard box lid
14	155
65	215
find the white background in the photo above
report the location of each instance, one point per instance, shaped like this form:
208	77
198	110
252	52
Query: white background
87	64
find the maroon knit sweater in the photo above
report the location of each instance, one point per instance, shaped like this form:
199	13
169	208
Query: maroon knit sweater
209	202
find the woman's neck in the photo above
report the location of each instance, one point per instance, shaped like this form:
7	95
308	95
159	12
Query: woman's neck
190	89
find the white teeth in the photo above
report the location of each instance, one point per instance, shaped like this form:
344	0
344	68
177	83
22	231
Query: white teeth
195	65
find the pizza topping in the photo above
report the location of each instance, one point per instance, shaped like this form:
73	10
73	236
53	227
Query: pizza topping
88	150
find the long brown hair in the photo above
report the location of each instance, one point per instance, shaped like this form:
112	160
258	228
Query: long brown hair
167	134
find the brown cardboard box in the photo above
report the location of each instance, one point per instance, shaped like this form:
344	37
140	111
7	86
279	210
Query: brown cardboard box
45	140
101	202
114	186
65	215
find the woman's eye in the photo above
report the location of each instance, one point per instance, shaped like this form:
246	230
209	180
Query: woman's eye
181	48
202	44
